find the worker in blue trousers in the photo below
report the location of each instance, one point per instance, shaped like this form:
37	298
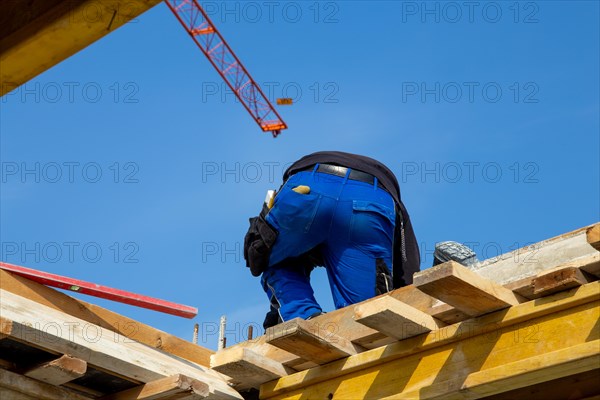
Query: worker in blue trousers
341	211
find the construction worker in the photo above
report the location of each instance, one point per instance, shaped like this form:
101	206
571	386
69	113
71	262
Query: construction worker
338	210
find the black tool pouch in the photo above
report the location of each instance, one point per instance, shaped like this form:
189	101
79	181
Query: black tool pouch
383	280
258	242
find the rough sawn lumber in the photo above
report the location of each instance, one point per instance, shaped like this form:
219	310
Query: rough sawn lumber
27	321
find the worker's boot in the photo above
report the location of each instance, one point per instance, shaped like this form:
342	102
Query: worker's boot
454	251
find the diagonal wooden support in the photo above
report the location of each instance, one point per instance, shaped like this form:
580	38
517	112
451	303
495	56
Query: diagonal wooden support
310	341
394	318
464	289
248	368
57	372
172	387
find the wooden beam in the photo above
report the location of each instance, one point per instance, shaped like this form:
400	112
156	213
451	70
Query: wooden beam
175	386
464	289
247	368
593	236
34	388
525	287
558	280
394	318
5	364
8	394
310	341
63	30
30	322
592	265
57	372
463	348
132	329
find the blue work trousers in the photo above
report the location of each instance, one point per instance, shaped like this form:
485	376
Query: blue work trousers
349	223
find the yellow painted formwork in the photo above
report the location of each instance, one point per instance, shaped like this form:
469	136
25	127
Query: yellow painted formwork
39	35
538	341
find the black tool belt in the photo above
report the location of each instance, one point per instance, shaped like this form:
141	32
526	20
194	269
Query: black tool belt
354	175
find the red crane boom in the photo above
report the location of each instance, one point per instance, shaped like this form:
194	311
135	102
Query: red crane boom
202	31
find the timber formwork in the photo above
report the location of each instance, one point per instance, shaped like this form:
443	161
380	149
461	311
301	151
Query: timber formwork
524	325
53	347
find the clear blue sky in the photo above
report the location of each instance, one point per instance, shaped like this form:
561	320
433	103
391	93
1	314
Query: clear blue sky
489	116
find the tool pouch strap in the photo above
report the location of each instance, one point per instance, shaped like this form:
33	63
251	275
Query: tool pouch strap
258	242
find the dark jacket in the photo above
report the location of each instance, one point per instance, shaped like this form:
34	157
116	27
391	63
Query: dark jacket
406	256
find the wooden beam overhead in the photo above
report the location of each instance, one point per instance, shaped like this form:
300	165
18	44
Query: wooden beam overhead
55	31
57	372
172	387
35	389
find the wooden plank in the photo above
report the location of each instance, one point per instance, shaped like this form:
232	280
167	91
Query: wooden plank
558	280
248	369
27	321
132	329
57	372
593	236
5	364
309	341
85	390
58	33
524	326
394	318
11	381
175	386
590	264
524	287
464	289
8	394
